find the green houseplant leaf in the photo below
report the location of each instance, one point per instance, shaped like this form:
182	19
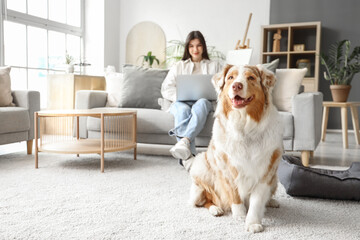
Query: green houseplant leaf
341	66
68	58
150	59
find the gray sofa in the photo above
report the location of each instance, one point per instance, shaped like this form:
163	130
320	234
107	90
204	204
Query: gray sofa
302	126
17	123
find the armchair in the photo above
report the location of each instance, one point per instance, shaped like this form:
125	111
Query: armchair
17	123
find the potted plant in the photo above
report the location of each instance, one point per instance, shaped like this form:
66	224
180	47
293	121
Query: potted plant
69	63
149	59
174	52
340	68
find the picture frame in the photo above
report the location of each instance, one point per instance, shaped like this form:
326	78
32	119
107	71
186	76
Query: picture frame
299	47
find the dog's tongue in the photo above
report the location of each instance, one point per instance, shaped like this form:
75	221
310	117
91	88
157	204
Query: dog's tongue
238	101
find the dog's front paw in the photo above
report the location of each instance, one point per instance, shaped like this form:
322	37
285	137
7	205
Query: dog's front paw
254	228
273	203
216	211
238	211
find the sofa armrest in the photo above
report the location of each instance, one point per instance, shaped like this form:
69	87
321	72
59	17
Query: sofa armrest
87	99
307	113
30	100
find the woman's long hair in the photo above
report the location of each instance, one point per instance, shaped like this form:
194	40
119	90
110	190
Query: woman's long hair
191	36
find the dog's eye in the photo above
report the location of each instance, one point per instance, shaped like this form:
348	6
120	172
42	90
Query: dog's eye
230	77
251	78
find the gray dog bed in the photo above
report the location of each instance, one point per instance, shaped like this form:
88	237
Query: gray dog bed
303	181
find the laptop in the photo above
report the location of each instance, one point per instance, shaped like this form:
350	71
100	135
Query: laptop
194	87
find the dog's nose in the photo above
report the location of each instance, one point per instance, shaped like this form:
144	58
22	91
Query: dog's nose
237	86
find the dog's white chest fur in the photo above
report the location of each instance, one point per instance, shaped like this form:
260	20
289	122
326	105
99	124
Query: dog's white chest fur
249	145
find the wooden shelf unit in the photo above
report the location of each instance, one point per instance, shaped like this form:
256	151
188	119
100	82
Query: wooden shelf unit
307	33
62	88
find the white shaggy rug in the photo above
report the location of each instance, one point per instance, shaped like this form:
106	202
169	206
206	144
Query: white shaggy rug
68	198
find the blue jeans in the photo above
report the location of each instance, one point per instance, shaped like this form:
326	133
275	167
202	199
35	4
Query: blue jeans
190	118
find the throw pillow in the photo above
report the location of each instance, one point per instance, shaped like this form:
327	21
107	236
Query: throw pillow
287	85
114	82
140	87
6	98
272	65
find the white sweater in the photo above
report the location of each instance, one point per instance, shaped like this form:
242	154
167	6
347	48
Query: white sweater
168	87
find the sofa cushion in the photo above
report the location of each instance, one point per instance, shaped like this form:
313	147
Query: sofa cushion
153	121
14	119
140	87
6	98
288	82
272	66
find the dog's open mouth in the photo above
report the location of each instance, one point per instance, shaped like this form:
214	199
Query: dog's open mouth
239	102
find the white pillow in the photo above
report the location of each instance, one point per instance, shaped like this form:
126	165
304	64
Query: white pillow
114	81
288	82
6	98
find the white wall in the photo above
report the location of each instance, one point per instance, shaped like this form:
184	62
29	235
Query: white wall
112	33
94	36
221	22
102	26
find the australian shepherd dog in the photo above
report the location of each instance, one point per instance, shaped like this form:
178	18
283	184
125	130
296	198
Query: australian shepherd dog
238	170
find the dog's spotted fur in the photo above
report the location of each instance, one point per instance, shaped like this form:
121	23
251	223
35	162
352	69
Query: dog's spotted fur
238	171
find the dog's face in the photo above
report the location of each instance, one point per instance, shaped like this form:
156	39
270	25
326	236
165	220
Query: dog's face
244	88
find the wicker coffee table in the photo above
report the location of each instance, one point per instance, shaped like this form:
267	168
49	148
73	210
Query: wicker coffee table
59	132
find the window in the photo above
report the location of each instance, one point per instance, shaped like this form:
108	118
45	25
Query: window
37	8
56	49
15	44
17	5
36	35
37	53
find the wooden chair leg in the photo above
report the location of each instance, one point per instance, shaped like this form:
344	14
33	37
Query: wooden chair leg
29	145
305	156
344	127
355	121
324	123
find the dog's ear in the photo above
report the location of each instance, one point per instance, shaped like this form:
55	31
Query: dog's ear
218	79
267	77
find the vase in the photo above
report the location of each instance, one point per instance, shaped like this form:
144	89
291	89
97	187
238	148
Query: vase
340	93
69	68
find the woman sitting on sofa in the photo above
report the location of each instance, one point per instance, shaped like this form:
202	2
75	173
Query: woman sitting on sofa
190	117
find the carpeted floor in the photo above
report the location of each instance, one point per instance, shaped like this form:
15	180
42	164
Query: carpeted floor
68	198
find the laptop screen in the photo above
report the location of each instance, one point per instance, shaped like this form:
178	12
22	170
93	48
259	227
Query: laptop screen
194	87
